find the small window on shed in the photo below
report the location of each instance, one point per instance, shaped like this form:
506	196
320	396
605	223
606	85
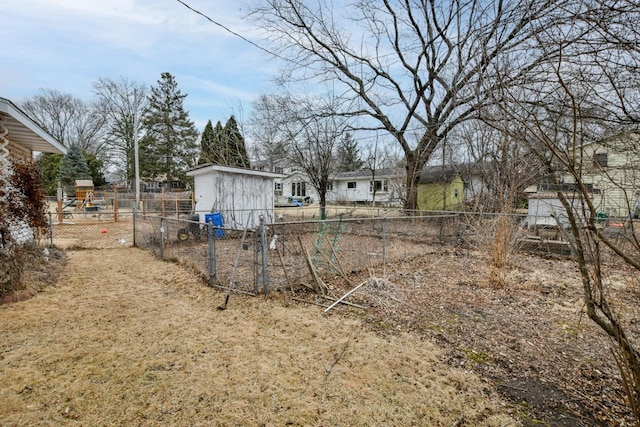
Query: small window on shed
600	160
351	184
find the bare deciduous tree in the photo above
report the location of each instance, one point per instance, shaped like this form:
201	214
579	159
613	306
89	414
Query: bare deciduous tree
123	103
405	66
585	99
304	131
68	119
267	134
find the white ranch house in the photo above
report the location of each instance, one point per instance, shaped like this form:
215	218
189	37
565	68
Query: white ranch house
234	192
361	186
347	187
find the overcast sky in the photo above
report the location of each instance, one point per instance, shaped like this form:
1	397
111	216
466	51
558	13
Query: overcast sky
68	44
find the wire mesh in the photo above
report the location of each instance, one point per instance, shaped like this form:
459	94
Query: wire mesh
91	230
294	254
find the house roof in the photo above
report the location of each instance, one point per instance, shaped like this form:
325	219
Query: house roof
366	174
433	174
25	132
210	167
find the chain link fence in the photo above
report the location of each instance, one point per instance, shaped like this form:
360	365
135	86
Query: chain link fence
296	251
286	255
90	230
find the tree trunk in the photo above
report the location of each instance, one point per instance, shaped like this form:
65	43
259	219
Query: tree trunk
323	205
414	166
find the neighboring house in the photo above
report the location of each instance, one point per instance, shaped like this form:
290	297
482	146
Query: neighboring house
478	180
291	183
25	136
277	166
361	186
297	185
612	166
160	183
235	192
344	187
440	188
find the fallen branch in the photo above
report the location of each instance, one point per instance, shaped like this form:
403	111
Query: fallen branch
339	300
334	255
336	360
285	271
308	302
321	288
344	302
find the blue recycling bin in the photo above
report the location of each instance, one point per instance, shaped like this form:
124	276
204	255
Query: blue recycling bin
215	218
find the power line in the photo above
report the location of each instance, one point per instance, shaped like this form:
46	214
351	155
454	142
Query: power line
227	29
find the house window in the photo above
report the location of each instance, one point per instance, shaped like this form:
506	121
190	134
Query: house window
600	160
299	189
351	184
455	193
277	188
330	186
278	169
378	185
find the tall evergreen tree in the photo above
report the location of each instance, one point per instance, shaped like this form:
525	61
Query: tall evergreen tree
49	165
234	142
348	154
73	166
220	154
207	142
171	136
96	167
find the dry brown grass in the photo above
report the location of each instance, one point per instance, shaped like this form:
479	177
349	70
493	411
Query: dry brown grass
125	339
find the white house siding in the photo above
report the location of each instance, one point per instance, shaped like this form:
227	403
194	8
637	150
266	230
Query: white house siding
234	192
341	193
298	177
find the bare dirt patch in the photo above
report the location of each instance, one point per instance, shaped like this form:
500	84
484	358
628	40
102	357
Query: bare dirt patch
532	338
126	339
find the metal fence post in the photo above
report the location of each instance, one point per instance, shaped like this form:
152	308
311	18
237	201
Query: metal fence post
256	275
50	230
212	257
263	244
161	238
134	225
384	243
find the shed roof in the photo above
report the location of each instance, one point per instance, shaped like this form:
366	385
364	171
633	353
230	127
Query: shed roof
84	183
210	167
24	131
